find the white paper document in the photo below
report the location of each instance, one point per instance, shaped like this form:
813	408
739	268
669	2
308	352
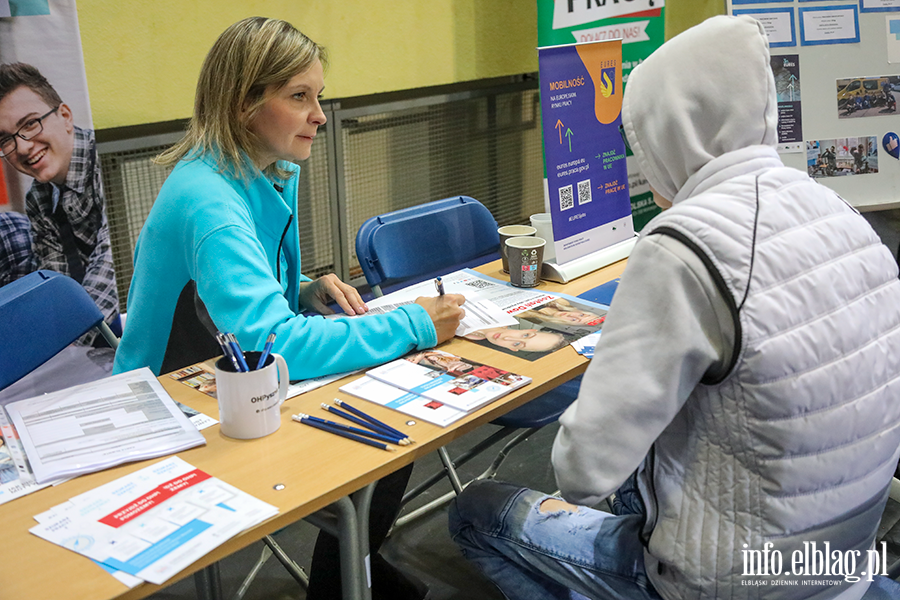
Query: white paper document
410	404
481	312
465	391
155	522
97	425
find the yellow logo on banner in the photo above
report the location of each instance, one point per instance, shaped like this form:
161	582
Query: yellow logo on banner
607	87
603	62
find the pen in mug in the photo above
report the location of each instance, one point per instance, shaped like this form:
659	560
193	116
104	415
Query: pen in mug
228	351
344	434
238	353
362	423
439	285
267	349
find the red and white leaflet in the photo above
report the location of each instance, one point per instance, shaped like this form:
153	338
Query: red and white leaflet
154	522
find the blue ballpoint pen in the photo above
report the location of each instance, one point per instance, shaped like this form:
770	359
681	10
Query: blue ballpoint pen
238	353
439	285
228	351
267	349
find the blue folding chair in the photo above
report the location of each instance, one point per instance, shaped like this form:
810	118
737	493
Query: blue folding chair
417	243
414	244
40	314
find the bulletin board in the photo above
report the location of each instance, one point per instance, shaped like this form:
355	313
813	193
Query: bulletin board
826	53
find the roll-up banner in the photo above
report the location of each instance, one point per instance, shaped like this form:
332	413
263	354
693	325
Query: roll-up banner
640	25
584	154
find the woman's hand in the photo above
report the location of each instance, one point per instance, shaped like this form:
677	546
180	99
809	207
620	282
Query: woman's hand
314	295
445	312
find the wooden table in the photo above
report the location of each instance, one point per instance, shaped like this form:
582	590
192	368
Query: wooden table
314	469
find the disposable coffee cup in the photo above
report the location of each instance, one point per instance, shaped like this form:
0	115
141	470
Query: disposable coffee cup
249	403
511	231
544	229
526	257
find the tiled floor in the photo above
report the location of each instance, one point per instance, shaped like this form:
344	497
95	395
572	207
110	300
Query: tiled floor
424	547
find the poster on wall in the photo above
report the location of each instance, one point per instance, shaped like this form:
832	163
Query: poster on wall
640	24
892	30
867	96
584	154
778	24
879	5
842	157
786	70
822	25
24	37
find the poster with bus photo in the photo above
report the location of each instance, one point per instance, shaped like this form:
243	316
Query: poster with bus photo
867	96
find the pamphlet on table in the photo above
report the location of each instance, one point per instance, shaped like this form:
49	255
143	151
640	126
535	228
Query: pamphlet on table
203	379
436	386
94	426
155	522
539	322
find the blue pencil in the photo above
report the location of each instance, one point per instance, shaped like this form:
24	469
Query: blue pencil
368	418
336	411
344	434
391	439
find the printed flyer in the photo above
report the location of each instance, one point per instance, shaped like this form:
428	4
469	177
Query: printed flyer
584	153
786	70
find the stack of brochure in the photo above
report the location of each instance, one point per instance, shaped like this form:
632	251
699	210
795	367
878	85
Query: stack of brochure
90	427
434	386
151	524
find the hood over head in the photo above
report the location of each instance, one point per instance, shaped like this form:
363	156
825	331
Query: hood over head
702	94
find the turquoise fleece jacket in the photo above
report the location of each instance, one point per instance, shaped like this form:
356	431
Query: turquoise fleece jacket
224	234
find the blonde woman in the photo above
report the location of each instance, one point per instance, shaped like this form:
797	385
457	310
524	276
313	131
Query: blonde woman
561	311
220	250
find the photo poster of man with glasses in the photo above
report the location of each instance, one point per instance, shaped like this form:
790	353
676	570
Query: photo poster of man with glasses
50	160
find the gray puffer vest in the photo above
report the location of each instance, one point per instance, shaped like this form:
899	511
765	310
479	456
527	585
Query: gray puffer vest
797	442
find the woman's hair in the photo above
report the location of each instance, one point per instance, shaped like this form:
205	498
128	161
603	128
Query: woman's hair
547	313
252	57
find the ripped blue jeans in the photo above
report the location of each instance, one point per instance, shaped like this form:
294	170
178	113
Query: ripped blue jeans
560	555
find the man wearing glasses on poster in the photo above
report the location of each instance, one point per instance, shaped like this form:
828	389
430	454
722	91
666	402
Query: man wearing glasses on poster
65	205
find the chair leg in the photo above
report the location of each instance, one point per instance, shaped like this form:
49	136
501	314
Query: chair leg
245	585
488	473
293	568
448	468
208	583
108	335
460	461
272	548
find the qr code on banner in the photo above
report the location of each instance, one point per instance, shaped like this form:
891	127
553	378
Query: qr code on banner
566	200
584	191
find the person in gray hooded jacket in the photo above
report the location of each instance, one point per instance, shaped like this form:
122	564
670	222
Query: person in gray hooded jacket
745	387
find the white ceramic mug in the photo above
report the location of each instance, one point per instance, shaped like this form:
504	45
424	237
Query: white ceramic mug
250	403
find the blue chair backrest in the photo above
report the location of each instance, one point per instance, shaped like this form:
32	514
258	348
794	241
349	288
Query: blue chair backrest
407	244
40	314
